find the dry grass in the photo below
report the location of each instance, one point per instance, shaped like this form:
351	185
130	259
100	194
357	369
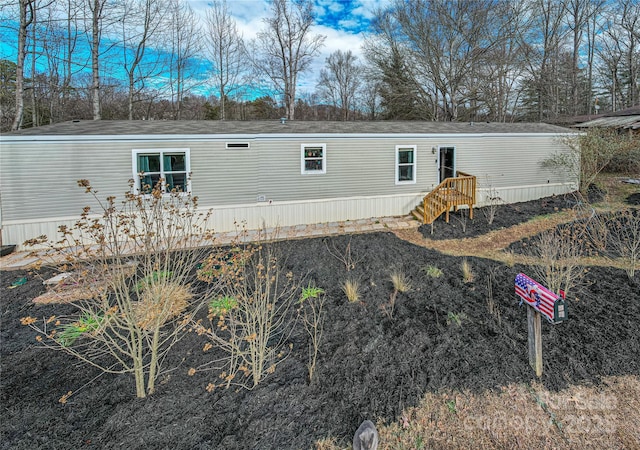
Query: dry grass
617	191
519	416
467	271
400	281
351	289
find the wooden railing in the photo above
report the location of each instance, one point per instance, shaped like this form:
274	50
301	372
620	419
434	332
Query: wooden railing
452	192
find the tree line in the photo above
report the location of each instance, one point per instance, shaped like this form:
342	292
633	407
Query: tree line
497	60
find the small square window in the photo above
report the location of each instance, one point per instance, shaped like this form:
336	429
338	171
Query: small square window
313	158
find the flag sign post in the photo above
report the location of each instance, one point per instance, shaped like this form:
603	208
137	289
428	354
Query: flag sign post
540	302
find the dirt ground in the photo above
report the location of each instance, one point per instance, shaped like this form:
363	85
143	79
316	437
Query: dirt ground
441	337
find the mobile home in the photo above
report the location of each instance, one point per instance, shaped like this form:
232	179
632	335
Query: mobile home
277	173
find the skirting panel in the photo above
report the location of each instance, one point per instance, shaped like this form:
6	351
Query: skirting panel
280	214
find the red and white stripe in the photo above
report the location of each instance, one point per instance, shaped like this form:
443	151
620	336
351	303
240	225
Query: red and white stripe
526	289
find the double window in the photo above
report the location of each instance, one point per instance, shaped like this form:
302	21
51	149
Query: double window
313	158
405	164
167	169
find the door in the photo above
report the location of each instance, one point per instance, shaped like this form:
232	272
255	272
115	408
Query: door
446	163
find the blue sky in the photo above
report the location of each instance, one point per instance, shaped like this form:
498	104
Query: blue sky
343	22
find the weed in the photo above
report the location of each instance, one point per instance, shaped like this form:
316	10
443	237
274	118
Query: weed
310	292
88	323
432	271
351	289
153	278
451	406
222	305
455	318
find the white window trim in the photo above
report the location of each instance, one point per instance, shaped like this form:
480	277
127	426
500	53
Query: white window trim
134	164
414	164
324	160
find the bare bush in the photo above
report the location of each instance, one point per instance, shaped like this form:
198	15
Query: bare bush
587	155
462	219
313	315
253	318
138	257
624	230
558	253
492	202
345	256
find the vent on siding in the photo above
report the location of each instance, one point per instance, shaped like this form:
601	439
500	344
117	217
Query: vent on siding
237	145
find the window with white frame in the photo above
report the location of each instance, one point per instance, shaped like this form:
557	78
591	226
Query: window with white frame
169	167
406	164
313	158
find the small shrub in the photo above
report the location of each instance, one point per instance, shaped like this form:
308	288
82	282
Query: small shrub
254	319
135	258
400	281
351	289
312	306
432	271
467	271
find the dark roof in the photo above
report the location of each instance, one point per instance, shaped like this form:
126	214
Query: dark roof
260	127
633	111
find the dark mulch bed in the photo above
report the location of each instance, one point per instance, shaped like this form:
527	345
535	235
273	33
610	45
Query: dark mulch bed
371	366
505	216
633	199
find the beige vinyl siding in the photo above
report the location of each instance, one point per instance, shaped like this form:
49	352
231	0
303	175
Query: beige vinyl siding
222	176
508	161
39	179
354	167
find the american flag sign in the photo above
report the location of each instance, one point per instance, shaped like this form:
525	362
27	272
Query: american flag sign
538	297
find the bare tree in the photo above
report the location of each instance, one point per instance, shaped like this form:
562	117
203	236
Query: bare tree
141	21
286	47
185	41
448	40
27	12
226	49
96	8
340	81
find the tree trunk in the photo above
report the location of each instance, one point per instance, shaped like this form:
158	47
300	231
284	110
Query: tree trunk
95	55
26	18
